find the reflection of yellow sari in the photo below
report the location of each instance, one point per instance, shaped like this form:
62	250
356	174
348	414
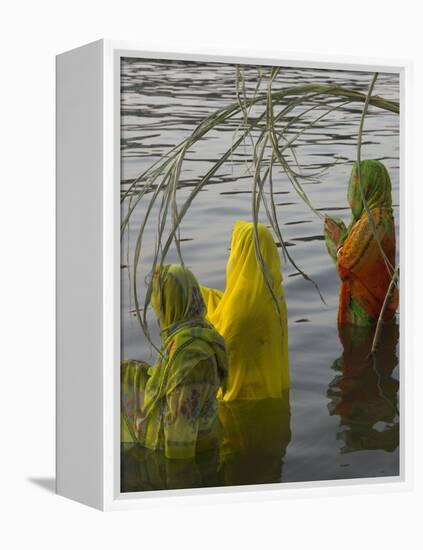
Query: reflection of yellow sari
245	314
256	436
145	470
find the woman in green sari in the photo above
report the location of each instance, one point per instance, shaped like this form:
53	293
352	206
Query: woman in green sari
172	405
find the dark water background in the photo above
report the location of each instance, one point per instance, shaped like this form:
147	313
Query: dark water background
342	421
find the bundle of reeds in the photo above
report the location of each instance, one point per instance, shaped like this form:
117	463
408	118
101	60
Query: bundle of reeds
264	126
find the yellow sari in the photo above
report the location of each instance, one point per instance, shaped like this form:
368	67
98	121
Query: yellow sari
254	326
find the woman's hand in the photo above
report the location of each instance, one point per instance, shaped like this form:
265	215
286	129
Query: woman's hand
334	230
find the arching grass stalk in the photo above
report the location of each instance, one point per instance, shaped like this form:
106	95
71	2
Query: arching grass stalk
388	264
388	295
224	114
258	182
160	258
137	254
127	254
278	151
281	134
241	95
160	165
394	274
164	175
170	189
174	183
376	338
258	195
285	111
273	215
258	189
147	187
267	277
274	223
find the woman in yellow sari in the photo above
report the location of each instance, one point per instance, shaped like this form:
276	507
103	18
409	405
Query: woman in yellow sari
172	405
252	318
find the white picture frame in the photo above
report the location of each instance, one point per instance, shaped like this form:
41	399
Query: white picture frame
88	281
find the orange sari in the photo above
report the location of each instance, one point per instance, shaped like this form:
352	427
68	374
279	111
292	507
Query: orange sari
365	255
363	271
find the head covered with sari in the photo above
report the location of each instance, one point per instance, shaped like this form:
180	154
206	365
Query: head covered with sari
366	260
244	266
251	316
188	338
176	297
374	186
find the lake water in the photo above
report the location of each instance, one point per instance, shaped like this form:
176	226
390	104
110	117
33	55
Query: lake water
343	420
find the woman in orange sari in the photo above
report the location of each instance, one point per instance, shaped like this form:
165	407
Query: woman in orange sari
365	251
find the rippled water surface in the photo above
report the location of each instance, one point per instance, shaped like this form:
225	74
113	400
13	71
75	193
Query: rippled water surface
343	421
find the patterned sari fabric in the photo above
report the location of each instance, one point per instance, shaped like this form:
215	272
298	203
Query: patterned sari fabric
252	321
172	405
365	260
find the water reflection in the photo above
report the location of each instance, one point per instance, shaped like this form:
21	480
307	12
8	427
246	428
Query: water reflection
364	393
255	437
145	470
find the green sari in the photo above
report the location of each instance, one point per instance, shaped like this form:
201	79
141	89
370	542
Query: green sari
172	405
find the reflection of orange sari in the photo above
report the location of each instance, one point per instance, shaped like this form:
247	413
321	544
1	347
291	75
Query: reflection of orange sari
363	271
364	392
